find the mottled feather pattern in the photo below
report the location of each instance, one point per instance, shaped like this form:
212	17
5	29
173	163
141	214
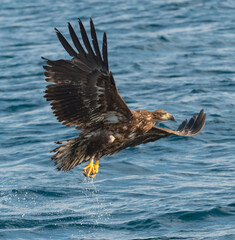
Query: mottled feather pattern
191	128
83	94
70	154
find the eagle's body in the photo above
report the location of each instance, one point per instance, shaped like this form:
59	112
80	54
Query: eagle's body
84	94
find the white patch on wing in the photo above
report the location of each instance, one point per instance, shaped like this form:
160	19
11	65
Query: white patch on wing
132	135
161	134
112	118
100	90
111	138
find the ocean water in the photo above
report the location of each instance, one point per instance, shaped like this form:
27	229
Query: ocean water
174	55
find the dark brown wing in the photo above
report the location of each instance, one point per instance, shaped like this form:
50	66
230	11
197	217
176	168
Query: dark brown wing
84	92
186	129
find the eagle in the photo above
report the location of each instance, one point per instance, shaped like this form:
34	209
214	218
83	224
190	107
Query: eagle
83	93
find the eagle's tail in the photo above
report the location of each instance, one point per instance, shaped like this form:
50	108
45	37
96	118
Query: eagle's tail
70	153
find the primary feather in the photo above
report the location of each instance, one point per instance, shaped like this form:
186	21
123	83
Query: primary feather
83	94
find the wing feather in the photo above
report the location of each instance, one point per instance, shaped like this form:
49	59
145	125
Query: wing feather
85	39
65	44
105	52
84	92
95	41
76	41
186	129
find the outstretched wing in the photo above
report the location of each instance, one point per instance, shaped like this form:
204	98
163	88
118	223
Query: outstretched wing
186	129
84	92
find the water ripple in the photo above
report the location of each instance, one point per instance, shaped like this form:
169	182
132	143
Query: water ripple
172	55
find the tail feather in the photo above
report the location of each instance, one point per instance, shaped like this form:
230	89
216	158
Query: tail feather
70	154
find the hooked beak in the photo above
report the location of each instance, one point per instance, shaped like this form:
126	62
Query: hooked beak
171	117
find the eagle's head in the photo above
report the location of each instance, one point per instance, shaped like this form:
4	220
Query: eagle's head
161	115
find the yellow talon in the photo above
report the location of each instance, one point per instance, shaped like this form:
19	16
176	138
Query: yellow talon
88	169
91	168
96	166
95	169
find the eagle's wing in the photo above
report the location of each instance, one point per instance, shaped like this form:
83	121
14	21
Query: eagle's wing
186	129
84	92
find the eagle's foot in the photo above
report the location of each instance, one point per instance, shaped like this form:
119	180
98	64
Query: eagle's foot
96	169
91	168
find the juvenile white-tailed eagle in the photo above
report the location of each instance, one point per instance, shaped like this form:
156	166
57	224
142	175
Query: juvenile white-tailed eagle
84	95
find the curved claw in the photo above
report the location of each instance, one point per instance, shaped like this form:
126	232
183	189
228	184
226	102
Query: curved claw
91	169
88	169
95	169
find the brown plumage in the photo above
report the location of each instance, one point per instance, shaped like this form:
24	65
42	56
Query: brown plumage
84	95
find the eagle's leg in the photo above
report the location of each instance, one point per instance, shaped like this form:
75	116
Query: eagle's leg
96	168
91	168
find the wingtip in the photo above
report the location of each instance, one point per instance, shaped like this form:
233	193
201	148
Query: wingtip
57	31
91	23
204	119
200	122
200	115
80	23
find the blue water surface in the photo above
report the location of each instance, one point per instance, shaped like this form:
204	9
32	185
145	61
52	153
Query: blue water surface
176	55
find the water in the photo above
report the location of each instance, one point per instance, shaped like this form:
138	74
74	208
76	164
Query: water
175	55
